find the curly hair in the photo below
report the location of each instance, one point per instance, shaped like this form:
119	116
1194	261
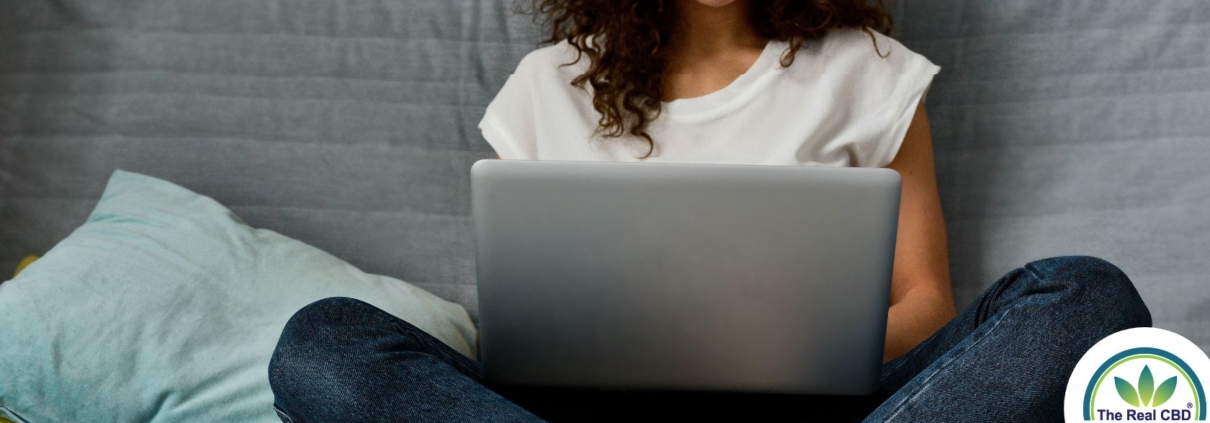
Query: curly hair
626	43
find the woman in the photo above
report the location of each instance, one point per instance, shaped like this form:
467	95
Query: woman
777	82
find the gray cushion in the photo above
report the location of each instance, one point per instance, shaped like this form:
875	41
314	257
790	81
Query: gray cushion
350	126
1074	127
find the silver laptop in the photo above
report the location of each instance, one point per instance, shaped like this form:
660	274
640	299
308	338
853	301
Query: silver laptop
682	276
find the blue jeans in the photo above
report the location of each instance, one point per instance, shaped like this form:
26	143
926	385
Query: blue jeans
1006	357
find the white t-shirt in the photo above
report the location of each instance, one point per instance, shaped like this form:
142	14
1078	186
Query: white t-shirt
838	104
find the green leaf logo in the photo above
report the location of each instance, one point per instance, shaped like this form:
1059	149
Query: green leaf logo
1146	386
1164	391
1126	391
1147	395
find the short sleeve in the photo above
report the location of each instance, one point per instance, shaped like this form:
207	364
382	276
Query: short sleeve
508	125
911	85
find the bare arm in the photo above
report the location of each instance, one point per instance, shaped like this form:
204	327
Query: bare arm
921	296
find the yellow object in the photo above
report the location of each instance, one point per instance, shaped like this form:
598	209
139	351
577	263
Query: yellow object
21	266
4	420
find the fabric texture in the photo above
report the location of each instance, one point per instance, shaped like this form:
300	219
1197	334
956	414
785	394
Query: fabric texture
165	307
1060	127
1006	358
1074	127
847	100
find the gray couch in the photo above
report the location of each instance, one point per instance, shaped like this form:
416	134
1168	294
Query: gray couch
1072	127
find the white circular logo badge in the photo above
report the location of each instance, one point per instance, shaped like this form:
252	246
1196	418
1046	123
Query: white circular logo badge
1141	374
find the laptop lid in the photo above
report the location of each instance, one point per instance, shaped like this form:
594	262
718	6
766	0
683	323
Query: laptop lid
684	276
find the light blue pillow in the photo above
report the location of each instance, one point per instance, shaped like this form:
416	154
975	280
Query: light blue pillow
165	307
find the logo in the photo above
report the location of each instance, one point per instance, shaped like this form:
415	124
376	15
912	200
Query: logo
1141	374
1141	394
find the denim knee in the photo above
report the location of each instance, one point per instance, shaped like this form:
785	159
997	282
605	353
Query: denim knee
1103	292
315	337
312	325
